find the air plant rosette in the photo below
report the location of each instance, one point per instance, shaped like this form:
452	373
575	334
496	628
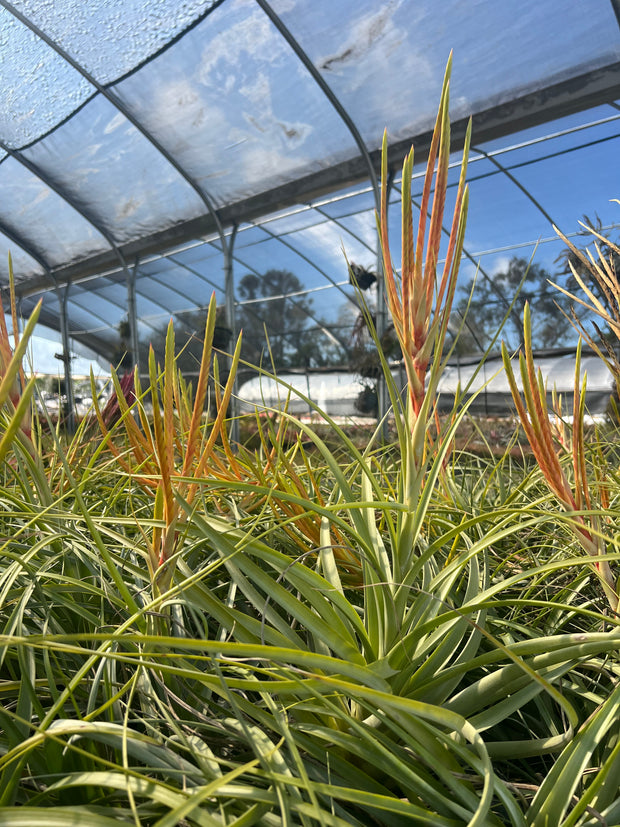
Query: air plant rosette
420	300
169	453
535	419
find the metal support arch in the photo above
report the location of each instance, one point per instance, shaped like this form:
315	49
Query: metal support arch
66	357
249	267
350	124
510	310
615	5
118	105
326	89
326	331
229	291
516	182
17	155
531	198
64	328
305	258
132	314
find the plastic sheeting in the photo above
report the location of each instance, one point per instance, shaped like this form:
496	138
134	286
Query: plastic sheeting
488	386
485	388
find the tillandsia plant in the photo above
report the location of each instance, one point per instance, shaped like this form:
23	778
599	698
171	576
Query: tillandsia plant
535	418
169	454
421	304
606	304
112	411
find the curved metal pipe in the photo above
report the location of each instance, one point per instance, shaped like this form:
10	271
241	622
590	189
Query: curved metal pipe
66	357
19	241
17	155
328	92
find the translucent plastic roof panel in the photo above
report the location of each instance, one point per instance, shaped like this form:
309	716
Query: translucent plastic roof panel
358	201
291	221
83	322
573	183
570	176
100	309
111	38
492	215
46	222
111	169
101	295
362	48
155	313
166	300
39	88
175	288
235	107
273	253
209	254
327	244
600	123
203	254
334	283
23	264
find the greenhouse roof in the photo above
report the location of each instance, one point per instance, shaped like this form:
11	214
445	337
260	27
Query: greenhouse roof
140	139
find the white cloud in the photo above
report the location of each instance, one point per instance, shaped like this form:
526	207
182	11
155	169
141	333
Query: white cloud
252	27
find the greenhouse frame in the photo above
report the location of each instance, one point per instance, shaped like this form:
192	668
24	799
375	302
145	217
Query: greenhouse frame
155	152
